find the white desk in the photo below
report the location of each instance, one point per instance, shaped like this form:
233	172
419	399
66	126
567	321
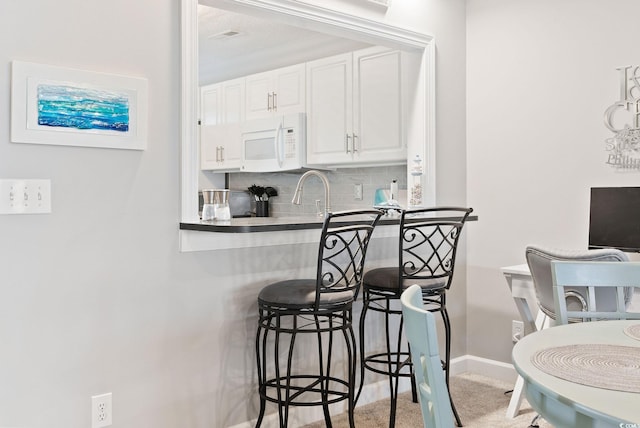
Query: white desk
524	295
568	404
521	286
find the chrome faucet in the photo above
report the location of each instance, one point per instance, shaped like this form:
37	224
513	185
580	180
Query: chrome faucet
297	196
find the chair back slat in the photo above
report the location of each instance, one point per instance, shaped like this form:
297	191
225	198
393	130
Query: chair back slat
420	329
615	277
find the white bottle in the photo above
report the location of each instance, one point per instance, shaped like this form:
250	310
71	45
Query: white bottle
394	191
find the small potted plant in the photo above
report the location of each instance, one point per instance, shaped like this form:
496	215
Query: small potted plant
261	196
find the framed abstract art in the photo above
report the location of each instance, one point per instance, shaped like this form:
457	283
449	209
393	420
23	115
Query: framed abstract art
63	106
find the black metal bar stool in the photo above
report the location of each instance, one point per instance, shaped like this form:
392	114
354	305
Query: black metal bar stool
321	306
427	252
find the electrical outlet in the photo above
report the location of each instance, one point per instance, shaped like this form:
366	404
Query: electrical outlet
357	192
101	408
517	330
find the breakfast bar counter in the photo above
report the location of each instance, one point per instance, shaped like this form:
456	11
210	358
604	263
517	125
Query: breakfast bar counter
256	224
272	224
249	232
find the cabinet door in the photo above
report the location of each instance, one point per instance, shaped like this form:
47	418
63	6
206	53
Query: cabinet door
210	105
233	101
220	147
222	102
329	110
231	155
279	91
378	109
259	95
289	89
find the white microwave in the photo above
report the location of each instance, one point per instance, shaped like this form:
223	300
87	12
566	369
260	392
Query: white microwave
274	144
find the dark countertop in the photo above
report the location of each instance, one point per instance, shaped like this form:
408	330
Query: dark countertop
273	224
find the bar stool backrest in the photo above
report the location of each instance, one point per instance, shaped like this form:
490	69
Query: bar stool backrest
428	244
343	247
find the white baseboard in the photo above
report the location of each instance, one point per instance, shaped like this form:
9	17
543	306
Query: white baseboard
372	392
486	367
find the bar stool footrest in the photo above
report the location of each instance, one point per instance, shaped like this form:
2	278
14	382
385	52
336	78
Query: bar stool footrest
313	387
379	363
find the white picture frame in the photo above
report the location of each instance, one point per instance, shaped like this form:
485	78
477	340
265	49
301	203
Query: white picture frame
70	107
385	3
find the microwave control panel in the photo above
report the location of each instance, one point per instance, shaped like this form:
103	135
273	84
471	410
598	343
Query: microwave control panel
293	140
289	144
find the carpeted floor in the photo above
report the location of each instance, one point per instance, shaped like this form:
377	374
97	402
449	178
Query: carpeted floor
481	402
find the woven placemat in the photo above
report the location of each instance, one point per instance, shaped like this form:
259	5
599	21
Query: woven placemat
633	331
602	366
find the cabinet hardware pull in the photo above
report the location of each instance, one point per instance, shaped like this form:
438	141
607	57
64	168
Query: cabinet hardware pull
354	142
346	143
268	102
221	154
217	153
275	101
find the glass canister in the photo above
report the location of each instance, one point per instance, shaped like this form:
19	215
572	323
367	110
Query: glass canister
215	204
208	212
416	186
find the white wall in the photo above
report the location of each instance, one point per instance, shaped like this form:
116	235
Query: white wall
540	74
95	296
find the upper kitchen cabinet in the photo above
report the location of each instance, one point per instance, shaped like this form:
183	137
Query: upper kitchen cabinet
279	91
222	102
355	109
222	109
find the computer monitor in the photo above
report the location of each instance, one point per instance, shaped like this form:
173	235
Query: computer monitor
614	218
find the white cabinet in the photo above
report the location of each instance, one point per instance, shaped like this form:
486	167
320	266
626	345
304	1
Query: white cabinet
222	110
222	102
378	110
280	91
220	148
355	109
354	105
329	110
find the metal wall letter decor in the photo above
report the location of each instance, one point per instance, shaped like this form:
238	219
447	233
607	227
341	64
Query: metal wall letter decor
624	146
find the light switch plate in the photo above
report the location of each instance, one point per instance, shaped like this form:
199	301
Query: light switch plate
25	196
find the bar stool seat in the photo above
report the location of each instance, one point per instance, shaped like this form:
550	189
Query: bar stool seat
299	294
386	278
318	308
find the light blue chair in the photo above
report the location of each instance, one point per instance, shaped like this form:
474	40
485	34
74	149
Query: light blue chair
539	260
615	277
420	329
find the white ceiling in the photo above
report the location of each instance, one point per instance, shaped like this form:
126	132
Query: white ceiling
260	45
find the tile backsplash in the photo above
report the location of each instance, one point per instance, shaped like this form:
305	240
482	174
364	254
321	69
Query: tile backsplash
342	182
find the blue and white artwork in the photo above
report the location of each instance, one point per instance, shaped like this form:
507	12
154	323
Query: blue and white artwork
71	107
67	106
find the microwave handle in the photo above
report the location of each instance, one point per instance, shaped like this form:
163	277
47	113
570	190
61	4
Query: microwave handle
279	142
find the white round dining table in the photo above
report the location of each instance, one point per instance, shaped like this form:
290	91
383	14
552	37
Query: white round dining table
566	403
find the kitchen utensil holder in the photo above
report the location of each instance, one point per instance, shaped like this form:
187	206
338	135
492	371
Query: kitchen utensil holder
262	208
